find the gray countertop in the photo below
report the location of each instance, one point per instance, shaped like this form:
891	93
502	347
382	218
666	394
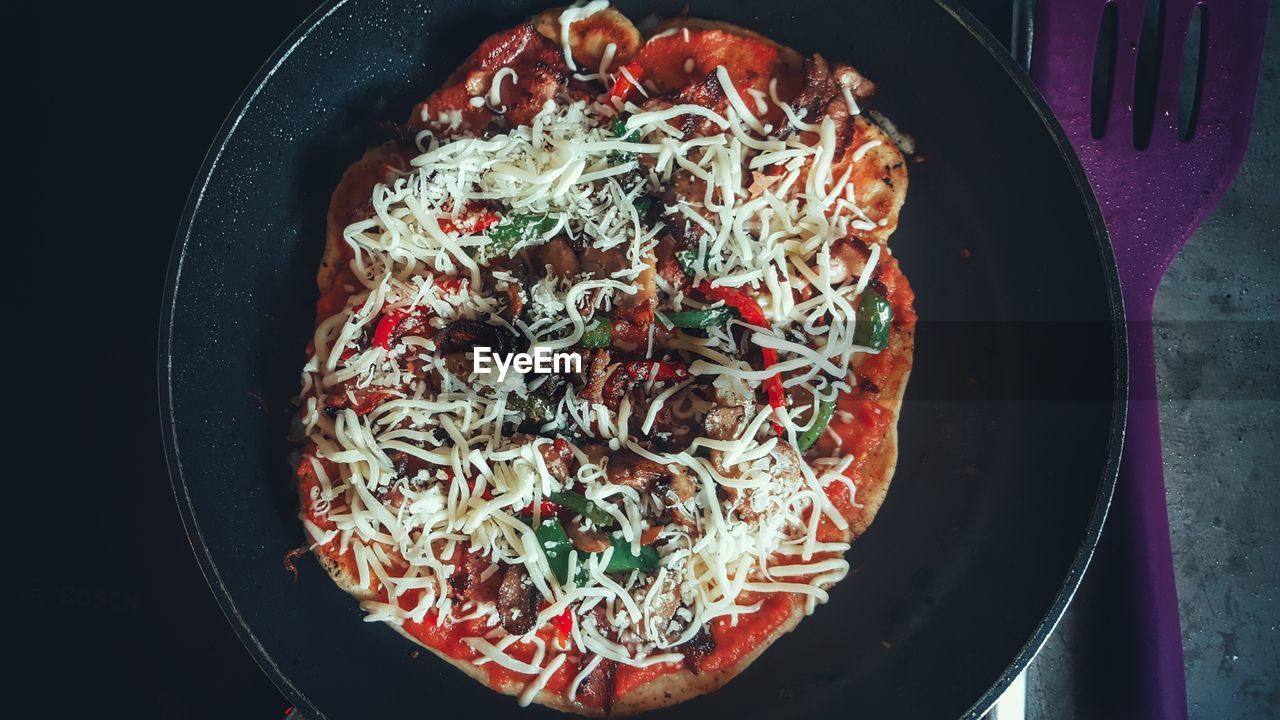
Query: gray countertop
1218	356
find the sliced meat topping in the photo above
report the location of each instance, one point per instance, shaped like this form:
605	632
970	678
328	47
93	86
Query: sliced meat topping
698	647
597	690
558	258
817	91
471	581
518	601
660	601
586	540
631	470
725	423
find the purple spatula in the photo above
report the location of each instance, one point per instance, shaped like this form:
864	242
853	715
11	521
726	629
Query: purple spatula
1152	198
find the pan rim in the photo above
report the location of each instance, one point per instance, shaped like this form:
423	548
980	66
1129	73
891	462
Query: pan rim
168	313
1111	277
1120	358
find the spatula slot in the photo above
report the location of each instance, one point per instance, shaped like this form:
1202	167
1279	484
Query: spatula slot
1191	77
1147	72
1104	68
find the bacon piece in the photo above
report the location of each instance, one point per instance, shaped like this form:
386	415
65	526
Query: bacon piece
463	335
629	374
629	469
557	457
602	264
816	92
557	258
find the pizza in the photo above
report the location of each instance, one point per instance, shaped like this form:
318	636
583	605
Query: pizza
608	357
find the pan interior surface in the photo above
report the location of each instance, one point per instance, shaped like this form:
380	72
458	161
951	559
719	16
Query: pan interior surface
1007	438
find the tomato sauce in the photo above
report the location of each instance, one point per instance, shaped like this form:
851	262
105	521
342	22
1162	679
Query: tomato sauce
733	642
533	57
449	639
309	481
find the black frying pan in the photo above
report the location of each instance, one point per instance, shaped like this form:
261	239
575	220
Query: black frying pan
1009	436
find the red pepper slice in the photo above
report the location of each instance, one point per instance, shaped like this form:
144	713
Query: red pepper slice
363	402
773	385
747	307
753	314
474	220
563	624
623	87
563	450
388	329
547	507
395	323
636	371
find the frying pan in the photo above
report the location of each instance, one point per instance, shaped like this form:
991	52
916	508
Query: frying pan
1009	436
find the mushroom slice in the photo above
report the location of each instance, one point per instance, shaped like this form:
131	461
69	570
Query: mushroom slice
586	540
518	601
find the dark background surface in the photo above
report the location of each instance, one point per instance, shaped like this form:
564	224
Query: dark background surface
127	99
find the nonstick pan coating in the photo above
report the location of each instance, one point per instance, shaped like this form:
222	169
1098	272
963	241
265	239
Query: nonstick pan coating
1009	435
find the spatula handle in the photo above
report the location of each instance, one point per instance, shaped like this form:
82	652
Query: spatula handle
1140	519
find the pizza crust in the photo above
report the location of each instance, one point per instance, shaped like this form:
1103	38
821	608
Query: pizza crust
589	37
877	470
663	691
789	57
351	194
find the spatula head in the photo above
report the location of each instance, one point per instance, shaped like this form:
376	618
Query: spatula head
1111	70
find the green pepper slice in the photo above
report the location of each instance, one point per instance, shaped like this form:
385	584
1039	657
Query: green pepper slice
598	334
689	261
536	408
619	129
873	317
623	561
556	545
810	436
578	503
517	229
710	317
